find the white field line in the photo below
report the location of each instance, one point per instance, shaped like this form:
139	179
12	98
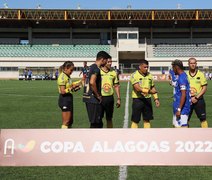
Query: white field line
77	97
123	169
26	95
39	96
126	116
8	88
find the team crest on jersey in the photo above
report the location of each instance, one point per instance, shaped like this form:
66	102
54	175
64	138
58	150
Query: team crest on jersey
193	91
106	87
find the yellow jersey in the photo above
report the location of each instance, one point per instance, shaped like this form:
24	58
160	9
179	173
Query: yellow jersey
64	80
145	82
196	82
108	80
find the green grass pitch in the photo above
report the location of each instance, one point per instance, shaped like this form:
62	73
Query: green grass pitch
25	105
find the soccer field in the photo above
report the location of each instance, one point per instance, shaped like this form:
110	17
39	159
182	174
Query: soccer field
31	105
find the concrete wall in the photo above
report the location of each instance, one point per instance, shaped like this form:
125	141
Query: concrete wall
9	74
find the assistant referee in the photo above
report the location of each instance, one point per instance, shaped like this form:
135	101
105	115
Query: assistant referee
198	87
66	87
143	87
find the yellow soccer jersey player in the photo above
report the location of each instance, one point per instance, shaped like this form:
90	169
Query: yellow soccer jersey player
109	84
145	82
198	86
64	80
65	100
142	88
196	82
108	80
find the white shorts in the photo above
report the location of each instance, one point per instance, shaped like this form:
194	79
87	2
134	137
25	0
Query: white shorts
183	121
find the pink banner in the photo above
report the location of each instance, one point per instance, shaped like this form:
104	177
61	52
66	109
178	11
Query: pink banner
106	147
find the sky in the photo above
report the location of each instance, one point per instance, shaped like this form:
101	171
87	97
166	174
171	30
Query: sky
107	4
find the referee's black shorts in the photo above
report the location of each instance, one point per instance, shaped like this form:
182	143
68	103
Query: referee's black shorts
199	108
108	106
141	106
65	102
94	113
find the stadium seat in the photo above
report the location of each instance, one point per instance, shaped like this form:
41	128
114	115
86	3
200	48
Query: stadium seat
181	50
70	51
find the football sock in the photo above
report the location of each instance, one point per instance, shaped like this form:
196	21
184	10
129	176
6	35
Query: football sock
204	124
64	127
109	124
134	125
96	125
147	124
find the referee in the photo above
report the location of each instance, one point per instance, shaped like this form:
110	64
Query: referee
143	86
66	87
198	87
110	81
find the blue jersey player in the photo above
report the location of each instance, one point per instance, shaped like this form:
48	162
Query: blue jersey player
182	98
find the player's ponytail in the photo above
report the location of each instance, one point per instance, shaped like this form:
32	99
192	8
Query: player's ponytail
60	70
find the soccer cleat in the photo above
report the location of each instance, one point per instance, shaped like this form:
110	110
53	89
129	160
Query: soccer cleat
147	124
134	125
204	124
64	127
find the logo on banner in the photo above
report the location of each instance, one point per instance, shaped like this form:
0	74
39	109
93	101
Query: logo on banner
28	147
9	146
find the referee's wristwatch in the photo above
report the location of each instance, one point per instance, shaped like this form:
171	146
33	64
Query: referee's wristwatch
179	109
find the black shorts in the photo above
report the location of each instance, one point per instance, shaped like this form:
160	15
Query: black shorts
141	106
94	113
108	106
65	102
199	109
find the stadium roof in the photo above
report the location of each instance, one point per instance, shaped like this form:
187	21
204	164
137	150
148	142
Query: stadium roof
105	18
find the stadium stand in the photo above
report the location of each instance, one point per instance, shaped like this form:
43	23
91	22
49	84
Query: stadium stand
66	51
42	39
182	50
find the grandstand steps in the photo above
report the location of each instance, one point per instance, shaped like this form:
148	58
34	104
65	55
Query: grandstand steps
179	50
52	51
